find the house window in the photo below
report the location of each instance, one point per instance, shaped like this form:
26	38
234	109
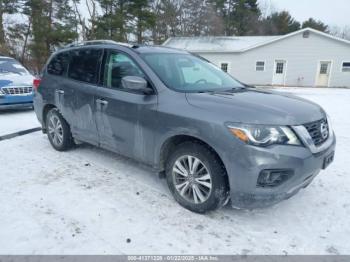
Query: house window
260	66
346	67
224	67
306	34
324	69
279	68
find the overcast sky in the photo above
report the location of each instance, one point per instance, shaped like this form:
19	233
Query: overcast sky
331	12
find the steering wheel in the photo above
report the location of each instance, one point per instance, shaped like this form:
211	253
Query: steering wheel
201	81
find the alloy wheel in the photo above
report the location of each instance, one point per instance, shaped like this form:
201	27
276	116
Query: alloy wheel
192	179
55	130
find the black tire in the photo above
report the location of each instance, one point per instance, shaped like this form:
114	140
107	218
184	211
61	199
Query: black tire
66	141
218	194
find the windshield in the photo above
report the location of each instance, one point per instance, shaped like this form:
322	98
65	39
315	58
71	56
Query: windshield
188	73
9	65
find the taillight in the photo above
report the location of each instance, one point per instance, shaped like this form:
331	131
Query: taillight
36	83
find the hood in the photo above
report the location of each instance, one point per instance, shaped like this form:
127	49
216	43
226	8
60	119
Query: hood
11	79
254	106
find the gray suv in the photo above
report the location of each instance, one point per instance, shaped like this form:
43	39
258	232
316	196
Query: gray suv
214	138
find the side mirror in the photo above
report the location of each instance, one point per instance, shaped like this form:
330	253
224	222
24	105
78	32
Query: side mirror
136	83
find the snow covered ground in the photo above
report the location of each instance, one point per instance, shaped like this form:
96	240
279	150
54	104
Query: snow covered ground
90	201
12	121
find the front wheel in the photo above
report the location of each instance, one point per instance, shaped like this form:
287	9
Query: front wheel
58	131
196	177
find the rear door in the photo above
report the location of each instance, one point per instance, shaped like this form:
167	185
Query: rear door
58	86
83	74
125	118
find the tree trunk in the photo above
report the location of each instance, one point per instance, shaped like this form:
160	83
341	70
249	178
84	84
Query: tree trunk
48	42
26	40
2	32
139	32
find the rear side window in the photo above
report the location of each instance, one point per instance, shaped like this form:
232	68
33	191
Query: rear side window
84	65
59	64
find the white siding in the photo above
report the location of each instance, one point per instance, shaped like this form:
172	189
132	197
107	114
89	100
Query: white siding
302	55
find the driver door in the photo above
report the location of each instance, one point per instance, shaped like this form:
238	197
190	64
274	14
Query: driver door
125	118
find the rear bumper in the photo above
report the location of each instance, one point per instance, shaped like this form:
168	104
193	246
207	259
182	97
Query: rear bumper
244	173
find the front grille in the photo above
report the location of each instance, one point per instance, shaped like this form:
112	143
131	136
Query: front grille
18	90
318	130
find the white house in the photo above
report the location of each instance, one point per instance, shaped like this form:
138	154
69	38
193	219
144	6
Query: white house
303	58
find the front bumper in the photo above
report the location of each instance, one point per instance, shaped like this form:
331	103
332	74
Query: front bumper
16	101
244	172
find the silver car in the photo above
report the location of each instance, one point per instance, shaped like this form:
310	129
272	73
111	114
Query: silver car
214	138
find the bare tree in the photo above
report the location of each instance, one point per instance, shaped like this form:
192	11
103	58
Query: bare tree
342	32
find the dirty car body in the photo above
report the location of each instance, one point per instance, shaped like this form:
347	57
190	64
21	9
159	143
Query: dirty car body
146	126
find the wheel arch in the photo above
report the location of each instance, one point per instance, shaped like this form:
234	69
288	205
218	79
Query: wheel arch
171	142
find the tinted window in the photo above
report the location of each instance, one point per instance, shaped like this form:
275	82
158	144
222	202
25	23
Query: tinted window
117	66
58	65
84	65
9	65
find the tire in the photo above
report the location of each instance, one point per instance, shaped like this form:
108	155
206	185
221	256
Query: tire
58	131
213	189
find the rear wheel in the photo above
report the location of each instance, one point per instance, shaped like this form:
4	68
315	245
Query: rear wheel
58	131
196	177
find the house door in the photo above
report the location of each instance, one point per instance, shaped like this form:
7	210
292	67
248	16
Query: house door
324	70
279	73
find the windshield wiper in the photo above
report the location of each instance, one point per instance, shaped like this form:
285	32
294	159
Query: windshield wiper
235	89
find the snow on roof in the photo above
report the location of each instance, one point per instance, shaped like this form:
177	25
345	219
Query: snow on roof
233	43
215	44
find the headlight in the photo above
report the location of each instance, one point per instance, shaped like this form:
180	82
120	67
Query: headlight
263	135
330	125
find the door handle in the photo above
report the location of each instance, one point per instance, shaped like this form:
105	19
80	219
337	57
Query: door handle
60	91
102	102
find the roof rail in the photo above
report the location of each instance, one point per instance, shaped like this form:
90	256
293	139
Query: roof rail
99	42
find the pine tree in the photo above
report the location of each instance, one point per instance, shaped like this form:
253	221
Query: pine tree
241	17
6	7
280	23
53	24
318	25
143	18
114	23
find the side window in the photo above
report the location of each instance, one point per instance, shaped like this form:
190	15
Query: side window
117	66
84	65
59	64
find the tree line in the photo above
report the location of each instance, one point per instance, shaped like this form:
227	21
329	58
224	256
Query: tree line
30	30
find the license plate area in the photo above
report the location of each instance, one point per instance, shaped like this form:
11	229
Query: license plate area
328	160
